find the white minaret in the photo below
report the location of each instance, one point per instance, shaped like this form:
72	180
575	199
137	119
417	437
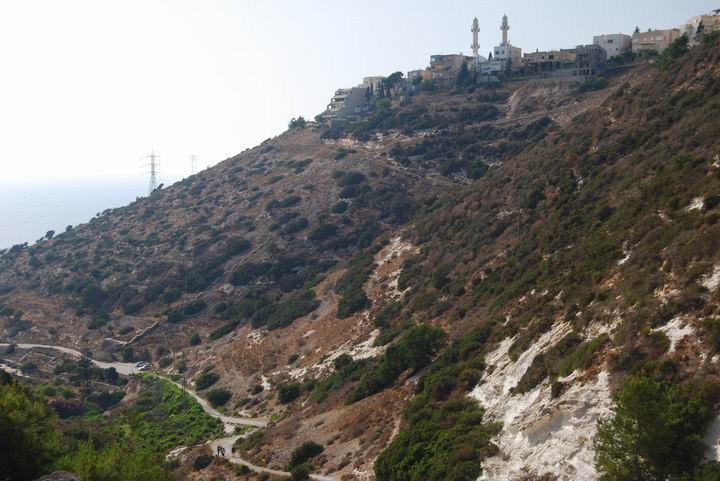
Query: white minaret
476	40
505	27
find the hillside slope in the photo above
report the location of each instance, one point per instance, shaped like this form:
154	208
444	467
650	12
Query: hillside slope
462	280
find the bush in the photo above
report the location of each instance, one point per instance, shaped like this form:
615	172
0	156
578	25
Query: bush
218	397
283	313
202	461
448	443
414	351
223	330
300	473
340	207
236	246
194	339
350	178
581	357
323	233
295	226
206	379
304	453
194	307
287	393
352	302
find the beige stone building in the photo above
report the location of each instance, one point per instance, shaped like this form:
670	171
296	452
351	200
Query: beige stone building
614	44
654	40
710	22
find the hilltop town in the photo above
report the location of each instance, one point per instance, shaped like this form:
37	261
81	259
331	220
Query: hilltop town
507	63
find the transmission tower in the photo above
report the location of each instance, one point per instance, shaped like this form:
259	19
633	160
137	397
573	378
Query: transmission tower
193	164
153	171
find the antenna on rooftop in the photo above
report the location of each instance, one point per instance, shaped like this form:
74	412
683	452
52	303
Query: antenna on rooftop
153	171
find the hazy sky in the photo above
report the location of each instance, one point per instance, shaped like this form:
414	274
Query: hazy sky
87	88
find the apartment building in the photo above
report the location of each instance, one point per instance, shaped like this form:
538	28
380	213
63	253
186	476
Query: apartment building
614	44
654	40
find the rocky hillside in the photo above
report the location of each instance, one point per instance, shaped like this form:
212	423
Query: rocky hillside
463	280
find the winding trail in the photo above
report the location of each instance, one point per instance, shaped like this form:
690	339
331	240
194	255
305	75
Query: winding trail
227	444
127	368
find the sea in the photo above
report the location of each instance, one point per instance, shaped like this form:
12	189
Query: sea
29	209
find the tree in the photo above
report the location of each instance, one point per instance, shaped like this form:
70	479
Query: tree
297	123
50	234
700	31
676	50
465	78
28	442
637	29
393	84
656	433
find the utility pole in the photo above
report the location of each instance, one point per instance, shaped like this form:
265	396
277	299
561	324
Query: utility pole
153	171
193	164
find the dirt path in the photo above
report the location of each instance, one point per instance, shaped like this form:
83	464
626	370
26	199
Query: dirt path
227	444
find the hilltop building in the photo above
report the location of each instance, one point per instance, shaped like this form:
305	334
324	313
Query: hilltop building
654	40
577	65
351	103
553	63
705	23
346	104
614	44
506	58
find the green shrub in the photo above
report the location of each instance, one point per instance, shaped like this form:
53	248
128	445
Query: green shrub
202	461
414	351
581	357
287	393
304	453
283	313
194	307
235	246
300	473
218	397
206	379
352	302
340	207
323	233
223	330
351	178
448	443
